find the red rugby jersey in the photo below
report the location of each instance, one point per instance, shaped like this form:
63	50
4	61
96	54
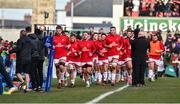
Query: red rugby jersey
74	50
102	51
116	39
60	43
127	47
86	47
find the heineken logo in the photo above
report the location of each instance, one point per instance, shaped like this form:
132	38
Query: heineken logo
151	24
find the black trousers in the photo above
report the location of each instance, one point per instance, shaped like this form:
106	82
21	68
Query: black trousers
40	72
34	74
139	66
5	74
37	73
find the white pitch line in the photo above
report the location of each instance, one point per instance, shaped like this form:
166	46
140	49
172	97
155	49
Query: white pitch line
102	96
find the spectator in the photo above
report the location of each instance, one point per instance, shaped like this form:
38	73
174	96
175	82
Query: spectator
128	6
6	77
168	9
143	8
152	8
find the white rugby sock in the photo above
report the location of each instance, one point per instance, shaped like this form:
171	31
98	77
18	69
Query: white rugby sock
74	76
63	76
99	77
109	75
118	76
113	76
96	75
59	81
105	76
150	74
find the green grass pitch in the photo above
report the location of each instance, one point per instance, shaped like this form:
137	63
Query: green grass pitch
165	90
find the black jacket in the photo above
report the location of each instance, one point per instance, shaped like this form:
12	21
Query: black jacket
23	50
35	46
41	47
139	48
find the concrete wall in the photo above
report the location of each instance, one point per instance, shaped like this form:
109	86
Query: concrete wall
87	20
10	34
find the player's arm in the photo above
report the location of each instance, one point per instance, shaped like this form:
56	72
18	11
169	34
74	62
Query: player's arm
107	45
161	48
68	45
121	44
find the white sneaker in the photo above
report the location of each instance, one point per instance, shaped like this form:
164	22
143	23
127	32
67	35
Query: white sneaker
67	74
13	89
28	90
87	84
122	78
152	79
66	84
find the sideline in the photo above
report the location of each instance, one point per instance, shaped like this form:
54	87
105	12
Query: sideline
102	96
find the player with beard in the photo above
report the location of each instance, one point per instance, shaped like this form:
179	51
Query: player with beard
74	60
128	59
102	59
114	43
95	58
61	43
87	50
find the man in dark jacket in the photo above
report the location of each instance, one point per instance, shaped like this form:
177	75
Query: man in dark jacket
41	49
139	58
136	31
23	51
35	79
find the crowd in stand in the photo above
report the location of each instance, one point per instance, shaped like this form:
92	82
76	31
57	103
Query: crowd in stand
96	56
154	8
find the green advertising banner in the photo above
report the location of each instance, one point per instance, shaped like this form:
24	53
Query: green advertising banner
150	23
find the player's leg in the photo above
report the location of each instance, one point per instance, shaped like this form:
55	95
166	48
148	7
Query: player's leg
95	70
156	65
62	73
129	70
99	69
58	72
89	74
105	71
151	70
114	70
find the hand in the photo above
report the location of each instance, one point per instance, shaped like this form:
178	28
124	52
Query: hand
48	45
101	54
114	44
85	49
73	50
75	54
68	53
90	54
59	45
68	46
110	46
80	53
118	49
120	53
